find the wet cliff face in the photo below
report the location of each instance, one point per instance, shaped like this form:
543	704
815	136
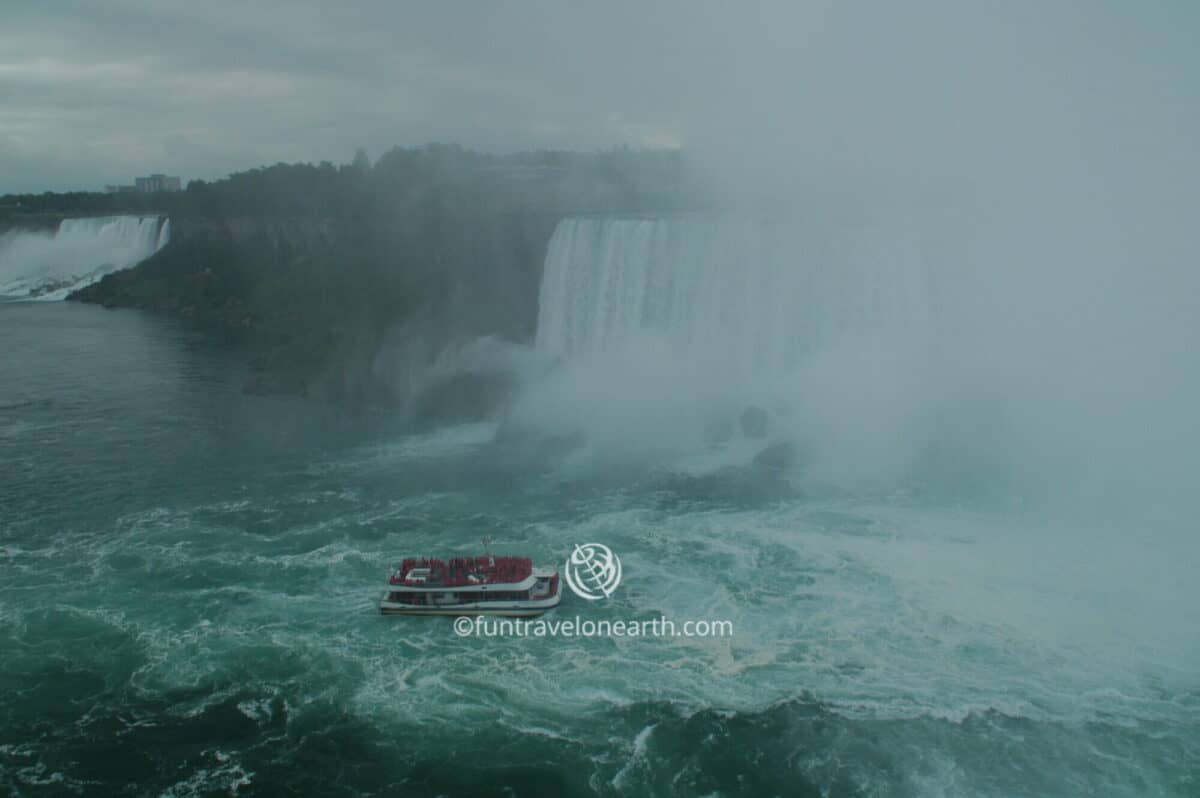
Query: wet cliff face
350	308
480	280
296	233
482	272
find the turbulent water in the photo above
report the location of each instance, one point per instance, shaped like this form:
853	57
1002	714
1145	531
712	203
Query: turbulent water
43	265
187	573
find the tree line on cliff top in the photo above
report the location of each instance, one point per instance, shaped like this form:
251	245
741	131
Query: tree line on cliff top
619	180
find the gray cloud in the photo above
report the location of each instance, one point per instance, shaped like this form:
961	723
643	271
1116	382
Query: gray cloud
935	94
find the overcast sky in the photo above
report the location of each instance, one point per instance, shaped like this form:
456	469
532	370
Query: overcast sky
95	92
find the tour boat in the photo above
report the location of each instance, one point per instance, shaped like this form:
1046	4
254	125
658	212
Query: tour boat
488	585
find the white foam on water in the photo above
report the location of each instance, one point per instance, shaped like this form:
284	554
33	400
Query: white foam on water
637	758
225	774
880	611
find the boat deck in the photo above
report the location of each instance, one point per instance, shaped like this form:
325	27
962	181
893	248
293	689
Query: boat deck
461	572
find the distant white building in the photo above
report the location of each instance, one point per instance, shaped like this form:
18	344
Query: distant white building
154	183
148	185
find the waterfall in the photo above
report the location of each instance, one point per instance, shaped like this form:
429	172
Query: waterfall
164	235
45	266
747	297
657	333
974	352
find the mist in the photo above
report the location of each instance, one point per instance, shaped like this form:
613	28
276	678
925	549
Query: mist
1021	354
1012	188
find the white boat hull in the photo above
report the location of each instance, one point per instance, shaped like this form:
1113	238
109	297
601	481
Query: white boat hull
509	609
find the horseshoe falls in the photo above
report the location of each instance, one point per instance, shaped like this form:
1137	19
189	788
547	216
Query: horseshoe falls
47	266
888	352
752	299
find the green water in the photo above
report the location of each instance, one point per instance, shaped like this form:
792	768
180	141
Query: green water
187	577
